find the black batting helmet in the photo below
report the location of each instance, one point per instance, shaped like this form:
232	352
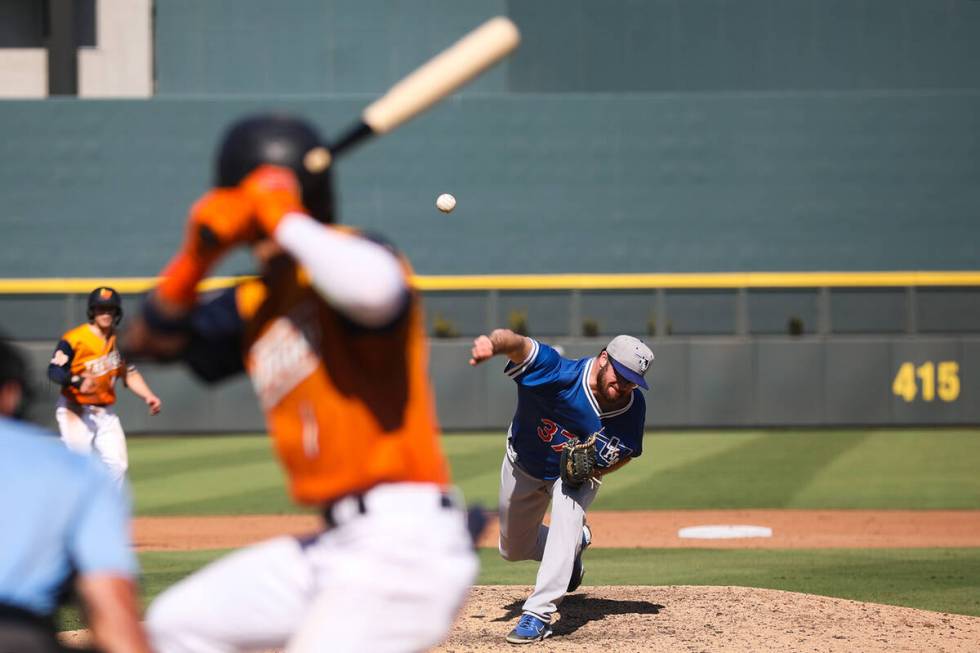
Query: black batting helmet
104	297
281	140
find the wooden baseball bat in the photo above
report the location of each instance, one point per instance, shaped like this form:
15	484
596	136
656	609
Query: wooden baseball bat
433	81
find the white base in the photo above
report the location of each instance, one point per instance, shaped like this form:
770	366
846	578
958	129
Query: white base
724	532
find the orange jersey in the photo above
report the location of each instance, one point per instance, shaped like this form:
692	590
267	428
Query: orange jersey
347	407
95	357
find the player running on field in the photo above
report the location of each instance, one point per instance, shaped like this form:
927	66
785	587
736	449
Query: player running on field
86	364
332	338
557	400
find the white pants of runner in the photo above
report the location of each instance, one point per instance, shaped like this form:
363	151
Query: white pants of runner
88	429
391	579
523	535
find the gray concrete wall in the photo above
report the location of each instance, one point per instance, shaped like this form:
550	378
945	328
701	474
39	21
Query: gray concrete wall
695	382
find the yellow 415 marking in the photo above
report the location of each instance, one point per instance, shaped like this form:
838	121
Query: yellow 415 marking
942	379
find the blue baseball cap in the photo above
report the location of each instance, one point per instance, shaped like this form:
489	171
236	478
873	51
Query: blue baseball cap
630	358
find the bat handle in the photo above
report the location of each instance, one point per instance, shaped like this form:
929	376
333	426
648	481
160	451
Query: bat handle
350	138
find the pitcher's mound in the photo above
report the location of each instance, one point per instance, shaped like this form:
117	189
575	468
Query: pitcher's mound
684	618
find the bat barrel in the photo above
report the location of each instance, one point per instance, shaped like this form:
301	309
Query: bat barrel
443	74
433	81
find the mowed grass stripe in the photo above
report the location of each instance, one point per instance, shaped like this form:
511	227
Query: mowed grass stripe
165	457
763	471
268	500
473	456
221	489
663	453
926	469
870	469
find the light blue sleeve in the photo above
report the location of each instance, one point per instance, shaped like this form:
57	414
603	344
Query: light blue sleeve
100	540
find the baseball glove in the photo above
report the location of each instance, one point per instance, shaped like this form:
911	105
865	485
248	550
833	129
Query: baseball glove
578	463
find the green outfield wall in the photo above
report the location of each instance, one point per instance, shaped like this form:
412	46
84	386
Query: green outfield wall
571	46
623	136
235	47
545	183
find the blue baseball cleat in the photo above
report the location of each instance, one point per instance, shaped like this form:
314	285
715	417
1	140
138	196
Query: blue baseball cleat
529	629
578	569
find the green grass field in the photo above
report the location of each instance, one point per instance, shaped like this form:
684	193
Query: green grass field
872	469
867	469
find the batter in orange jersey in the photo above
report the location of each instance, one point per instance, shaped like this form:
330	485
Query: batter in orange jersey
331	336
86	364
349	408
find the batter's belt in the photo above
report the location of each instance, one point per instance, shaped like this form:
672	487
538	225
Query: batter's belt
391	497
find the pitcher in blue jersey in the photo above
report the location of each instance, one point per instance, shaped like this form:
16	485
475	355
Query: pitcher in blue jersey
558	399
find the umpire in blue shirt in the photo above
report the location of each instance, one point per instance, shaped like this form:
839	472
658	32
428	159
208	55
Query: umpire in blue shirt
64	526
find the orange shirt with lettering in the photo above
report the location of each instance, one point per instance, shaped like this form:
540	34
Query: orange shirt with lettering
98	358
347	407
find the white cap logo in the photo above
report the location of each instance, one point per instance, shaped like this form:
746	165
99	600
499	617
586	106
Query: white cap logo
643	363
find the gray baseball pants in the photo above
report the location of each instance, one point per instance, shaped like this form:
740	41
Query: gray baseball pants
523	535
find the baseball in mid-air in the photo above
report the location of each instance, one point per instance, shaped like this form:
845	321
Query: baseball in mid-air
445	202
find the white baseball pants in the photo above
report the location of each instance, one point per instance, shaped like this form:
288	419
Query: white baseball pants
523	501
88	429
389	580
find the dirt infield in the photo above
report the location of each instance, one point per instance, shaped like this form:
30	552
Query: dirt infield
791	529
677	618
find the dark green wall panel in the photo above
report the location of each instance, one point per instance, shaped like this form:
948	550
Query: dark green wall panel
790	381
695	382
297	47
339	46
710	45
637	183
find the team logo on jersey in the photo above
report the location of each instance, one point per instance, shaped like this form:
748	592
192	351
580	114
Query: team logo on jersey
104	364
284	356
610	449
